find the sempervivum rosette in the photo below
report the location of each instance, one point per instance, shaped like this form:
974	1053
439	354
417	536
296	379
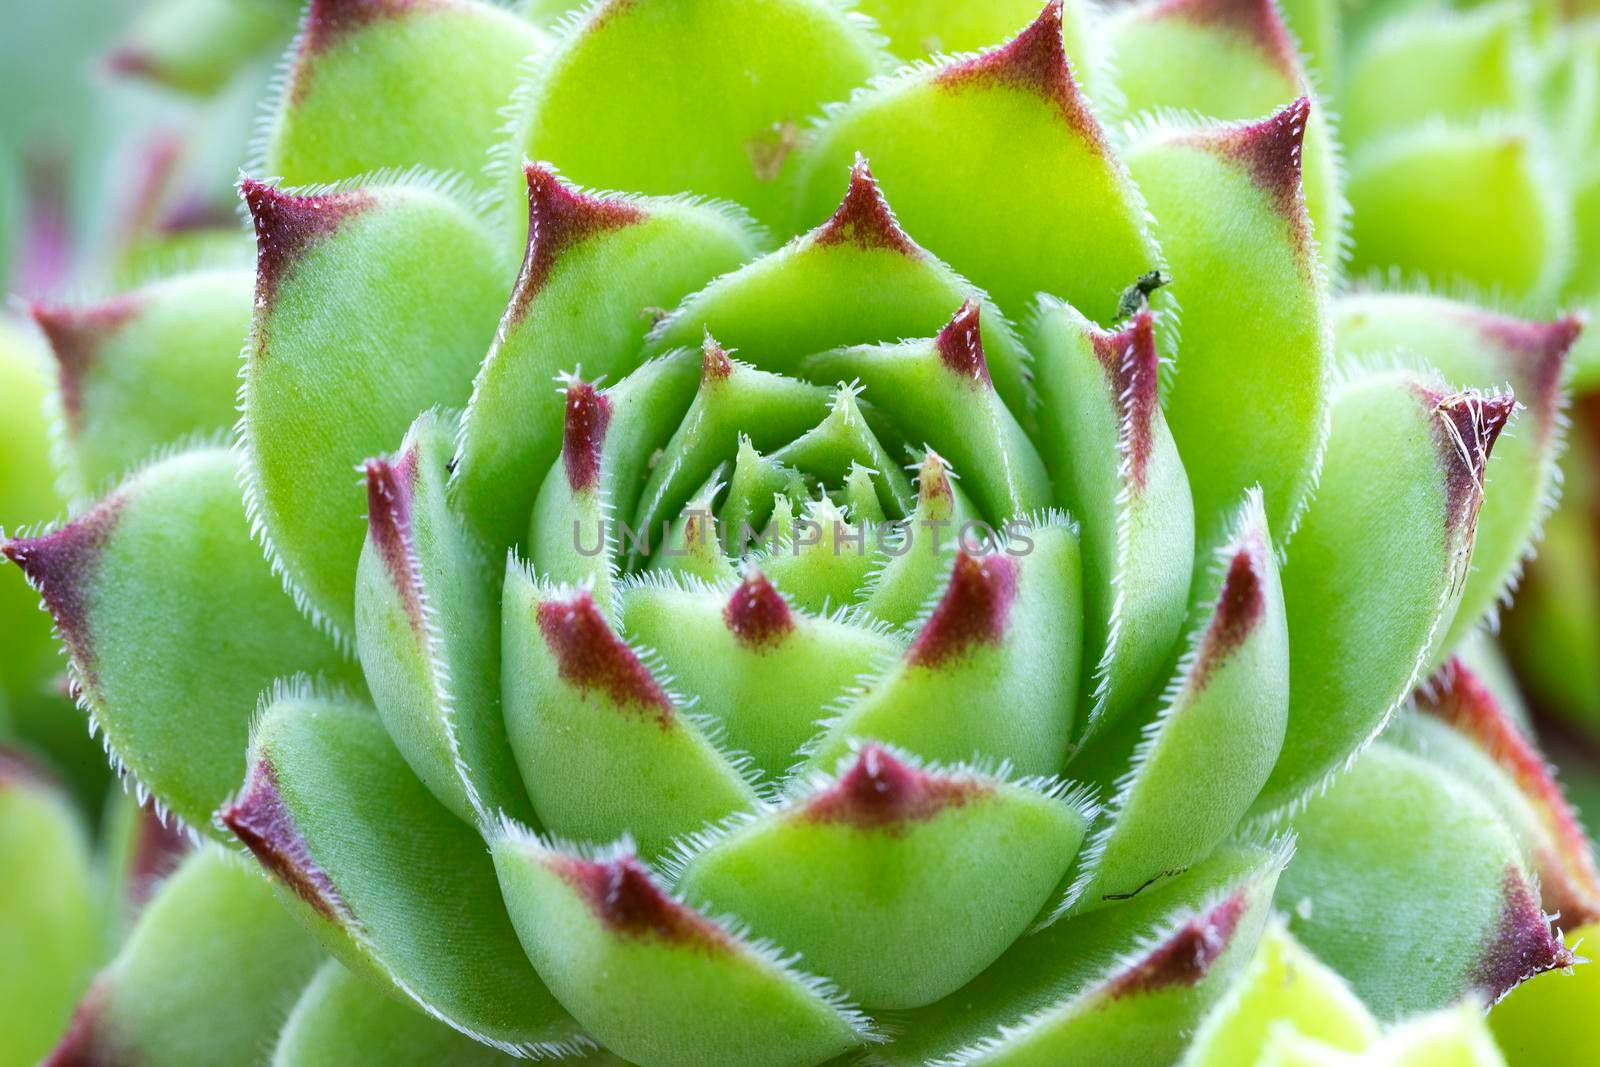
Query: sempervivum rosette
769	626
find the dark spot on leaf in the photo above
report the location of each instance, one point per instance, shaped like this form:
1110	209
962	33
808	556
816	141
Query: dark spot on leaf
757	614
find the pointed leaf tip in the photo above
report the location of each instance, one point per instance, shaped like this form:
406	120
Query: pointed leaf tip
1256	20
560	217
1522	945
934	490
1186	956
391	488
1034	61
588	414
261	821
74	336
1130	361
82	1045
59	566
865	218
1240	607
715	366
1270	151
628	902
589	655
1541	347
879	791
757	614
973	611
287	226
1465	431
960	344
327	21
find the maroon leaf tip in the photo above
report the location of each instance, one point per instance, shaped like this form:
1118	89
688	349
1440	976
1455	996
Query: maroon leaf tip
18	768
391	491
132	61
84	1044
1256	21
1240	605
288	226
1186	956
588	413
715	366
262	822
960	344
757	614
60	565
628	902
864	218
880	792
1132	367
1465	429
1034	61
589	655
1522	944
934	490
974	610
328	21
559	218
1569	882
75	336
157	850
1270	152
1537	354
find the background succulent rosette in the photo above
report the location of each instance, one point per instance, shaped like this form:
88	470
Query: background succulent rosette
1144	411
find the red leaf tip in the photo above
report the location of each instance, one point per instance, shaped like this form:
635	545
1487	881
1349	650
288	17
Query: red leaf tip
627	901
1466	427
974	610
757	614
60	565
287	226
84	1043
1186	956
1522	944
560	217
1240	606
880	792
1257	21
589	655
864	217
262	822
327	21
1537	352
935	494
1034	61
960	344
75	336
588	414
391	490
715	366
1270	151
1133	369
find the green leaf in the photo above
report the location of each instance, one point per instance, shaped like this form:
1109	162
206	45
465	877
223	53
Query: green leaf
1548	1020
1224	709
911	568
174	624
597	268
145	369
728	87
198	46
916	28
1481	349
898	882
1378	567
372	304
1123	985
49	939
205	978
992	672
943	139
586	713
1116	468
427	631
1443	905
441	70
397	888
655	980
1249	403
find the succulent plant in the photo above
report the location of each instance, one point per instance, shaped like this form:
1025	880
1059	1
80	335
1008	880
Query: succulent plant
733	620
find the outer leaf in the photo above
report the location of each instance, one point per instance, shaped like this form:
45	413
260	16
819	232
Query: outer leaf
1225	710
584	712
899	883
1250	400
1121	985
1548	1020
442	69
1470	347
214	944
655	980
48	936
173	624
371	305
1014	118
427	631
395	886
992	672
597	267
618	105
145	369
1116	468
1378	569
1428	849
